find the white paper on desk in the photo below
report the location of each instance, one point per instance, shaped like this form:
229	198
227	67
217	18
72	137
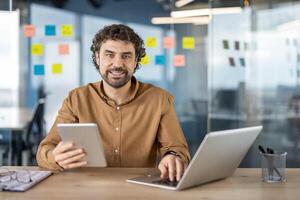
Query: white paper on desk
36	176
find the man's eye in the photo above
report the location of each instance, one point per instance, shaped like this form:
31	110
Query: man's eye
110	55
126	56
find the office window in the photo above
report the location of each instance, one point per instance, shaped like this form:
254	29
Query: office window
9	58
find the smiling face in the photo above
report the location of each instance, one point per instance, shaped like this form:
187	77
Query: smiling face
117	61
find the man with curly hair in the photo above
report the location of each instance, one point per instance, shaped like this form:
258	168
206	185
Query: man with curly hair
137	121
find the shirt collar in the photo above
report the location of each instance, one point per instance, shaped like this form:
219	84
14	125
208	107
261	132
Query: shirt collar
133	92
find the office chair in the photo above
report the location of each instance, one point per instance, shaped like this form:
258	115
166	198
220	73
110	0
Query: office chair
34	131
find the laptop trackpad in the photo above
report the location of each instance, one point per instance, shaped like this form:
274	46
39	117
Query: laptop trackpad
155	180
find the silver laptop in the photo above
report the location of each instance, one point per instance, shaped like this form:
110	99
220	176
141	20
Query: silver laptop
217	157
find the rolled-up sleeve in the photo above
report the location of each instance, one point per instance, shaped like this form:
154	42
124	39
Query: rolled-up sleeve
170	135
66	114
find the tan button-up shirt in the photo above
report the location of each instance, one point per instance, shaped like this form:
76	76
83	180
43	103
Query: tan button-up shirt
132	132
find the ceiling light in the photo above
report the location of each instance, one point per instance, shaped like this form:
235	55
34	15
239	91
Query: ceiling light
181	3
206	11
185	20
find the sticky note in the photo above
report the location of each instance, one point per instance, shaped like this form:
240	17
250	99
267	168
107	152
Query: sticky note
225	44
67	30
145	60
39	70
188	42
179	60
231	61
57	68
160	59
50	30
151	42
29	30
169	42
242	62
37	49
237	45
63	49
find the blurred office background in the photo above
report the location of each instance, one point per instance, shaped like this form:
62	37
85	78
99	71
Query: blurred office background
240	66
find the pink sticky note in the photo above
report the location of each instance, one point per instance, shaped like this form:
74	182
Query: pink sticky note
29	30
63	49
169	42
179	60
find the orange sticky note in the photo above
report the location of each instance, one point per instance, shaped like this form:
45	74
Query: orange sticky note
151	42
63	49
145	60
67	30
57	68
37	49
188	42
169	42
29	30
179	60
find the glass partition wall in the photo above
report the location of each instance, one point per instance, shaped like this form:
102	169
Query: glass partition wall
254	75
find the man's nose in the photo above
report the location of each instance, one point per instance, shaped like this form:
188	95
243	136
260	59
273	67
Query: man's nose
118	62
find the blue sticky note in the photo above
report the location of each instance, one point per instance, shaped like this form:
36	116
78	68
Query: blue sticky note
50	30
160	60
39	70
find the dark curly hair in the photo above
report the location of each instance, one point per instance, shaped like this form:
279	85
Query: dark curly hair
118	32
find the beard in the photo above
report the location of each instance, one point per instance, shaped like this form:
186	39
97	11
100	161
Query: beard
116	77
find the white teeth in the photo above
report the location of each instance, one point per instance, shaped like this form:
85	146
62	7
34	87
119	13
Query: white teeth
116	73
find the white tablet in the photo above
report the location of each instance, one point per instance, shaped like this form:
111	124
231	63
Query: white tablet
85	135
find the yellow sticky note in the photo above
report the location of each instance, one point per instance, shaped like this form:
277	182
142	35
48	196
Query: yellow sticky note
145	60
67	30
151	42
37	49
57	68
188	42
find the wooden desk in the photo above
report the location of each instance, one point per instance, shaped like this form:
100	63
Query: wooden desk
109	183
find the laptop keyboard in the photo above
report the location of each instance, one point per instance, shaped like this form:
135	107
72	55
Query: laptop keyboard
166	182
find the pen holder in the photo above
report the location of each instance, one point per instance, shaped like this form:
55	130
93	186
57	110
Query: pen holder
273	167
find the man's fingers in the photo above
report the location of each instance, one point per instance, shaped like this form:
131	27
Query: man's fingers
163	171
67	155
60	143
57	147
72	159
179	168
75	165
63	147
171	167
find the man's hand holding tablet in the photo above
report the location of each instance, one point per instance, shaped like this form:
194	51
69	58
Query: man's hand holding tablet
68	156
81	145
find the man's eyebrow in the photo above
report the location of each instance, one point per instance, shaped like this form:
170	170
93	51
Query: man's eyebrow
109	51
128	52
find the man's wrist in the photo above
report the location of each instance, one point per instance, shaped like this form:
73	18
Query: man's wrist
172	153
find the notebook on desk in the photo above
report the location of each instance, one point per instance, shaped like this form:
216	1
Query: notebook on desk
217	157
17	186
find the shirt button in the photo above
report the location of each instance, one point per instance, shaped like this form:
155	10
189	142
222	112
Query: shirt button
117	129
118	107
116	151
